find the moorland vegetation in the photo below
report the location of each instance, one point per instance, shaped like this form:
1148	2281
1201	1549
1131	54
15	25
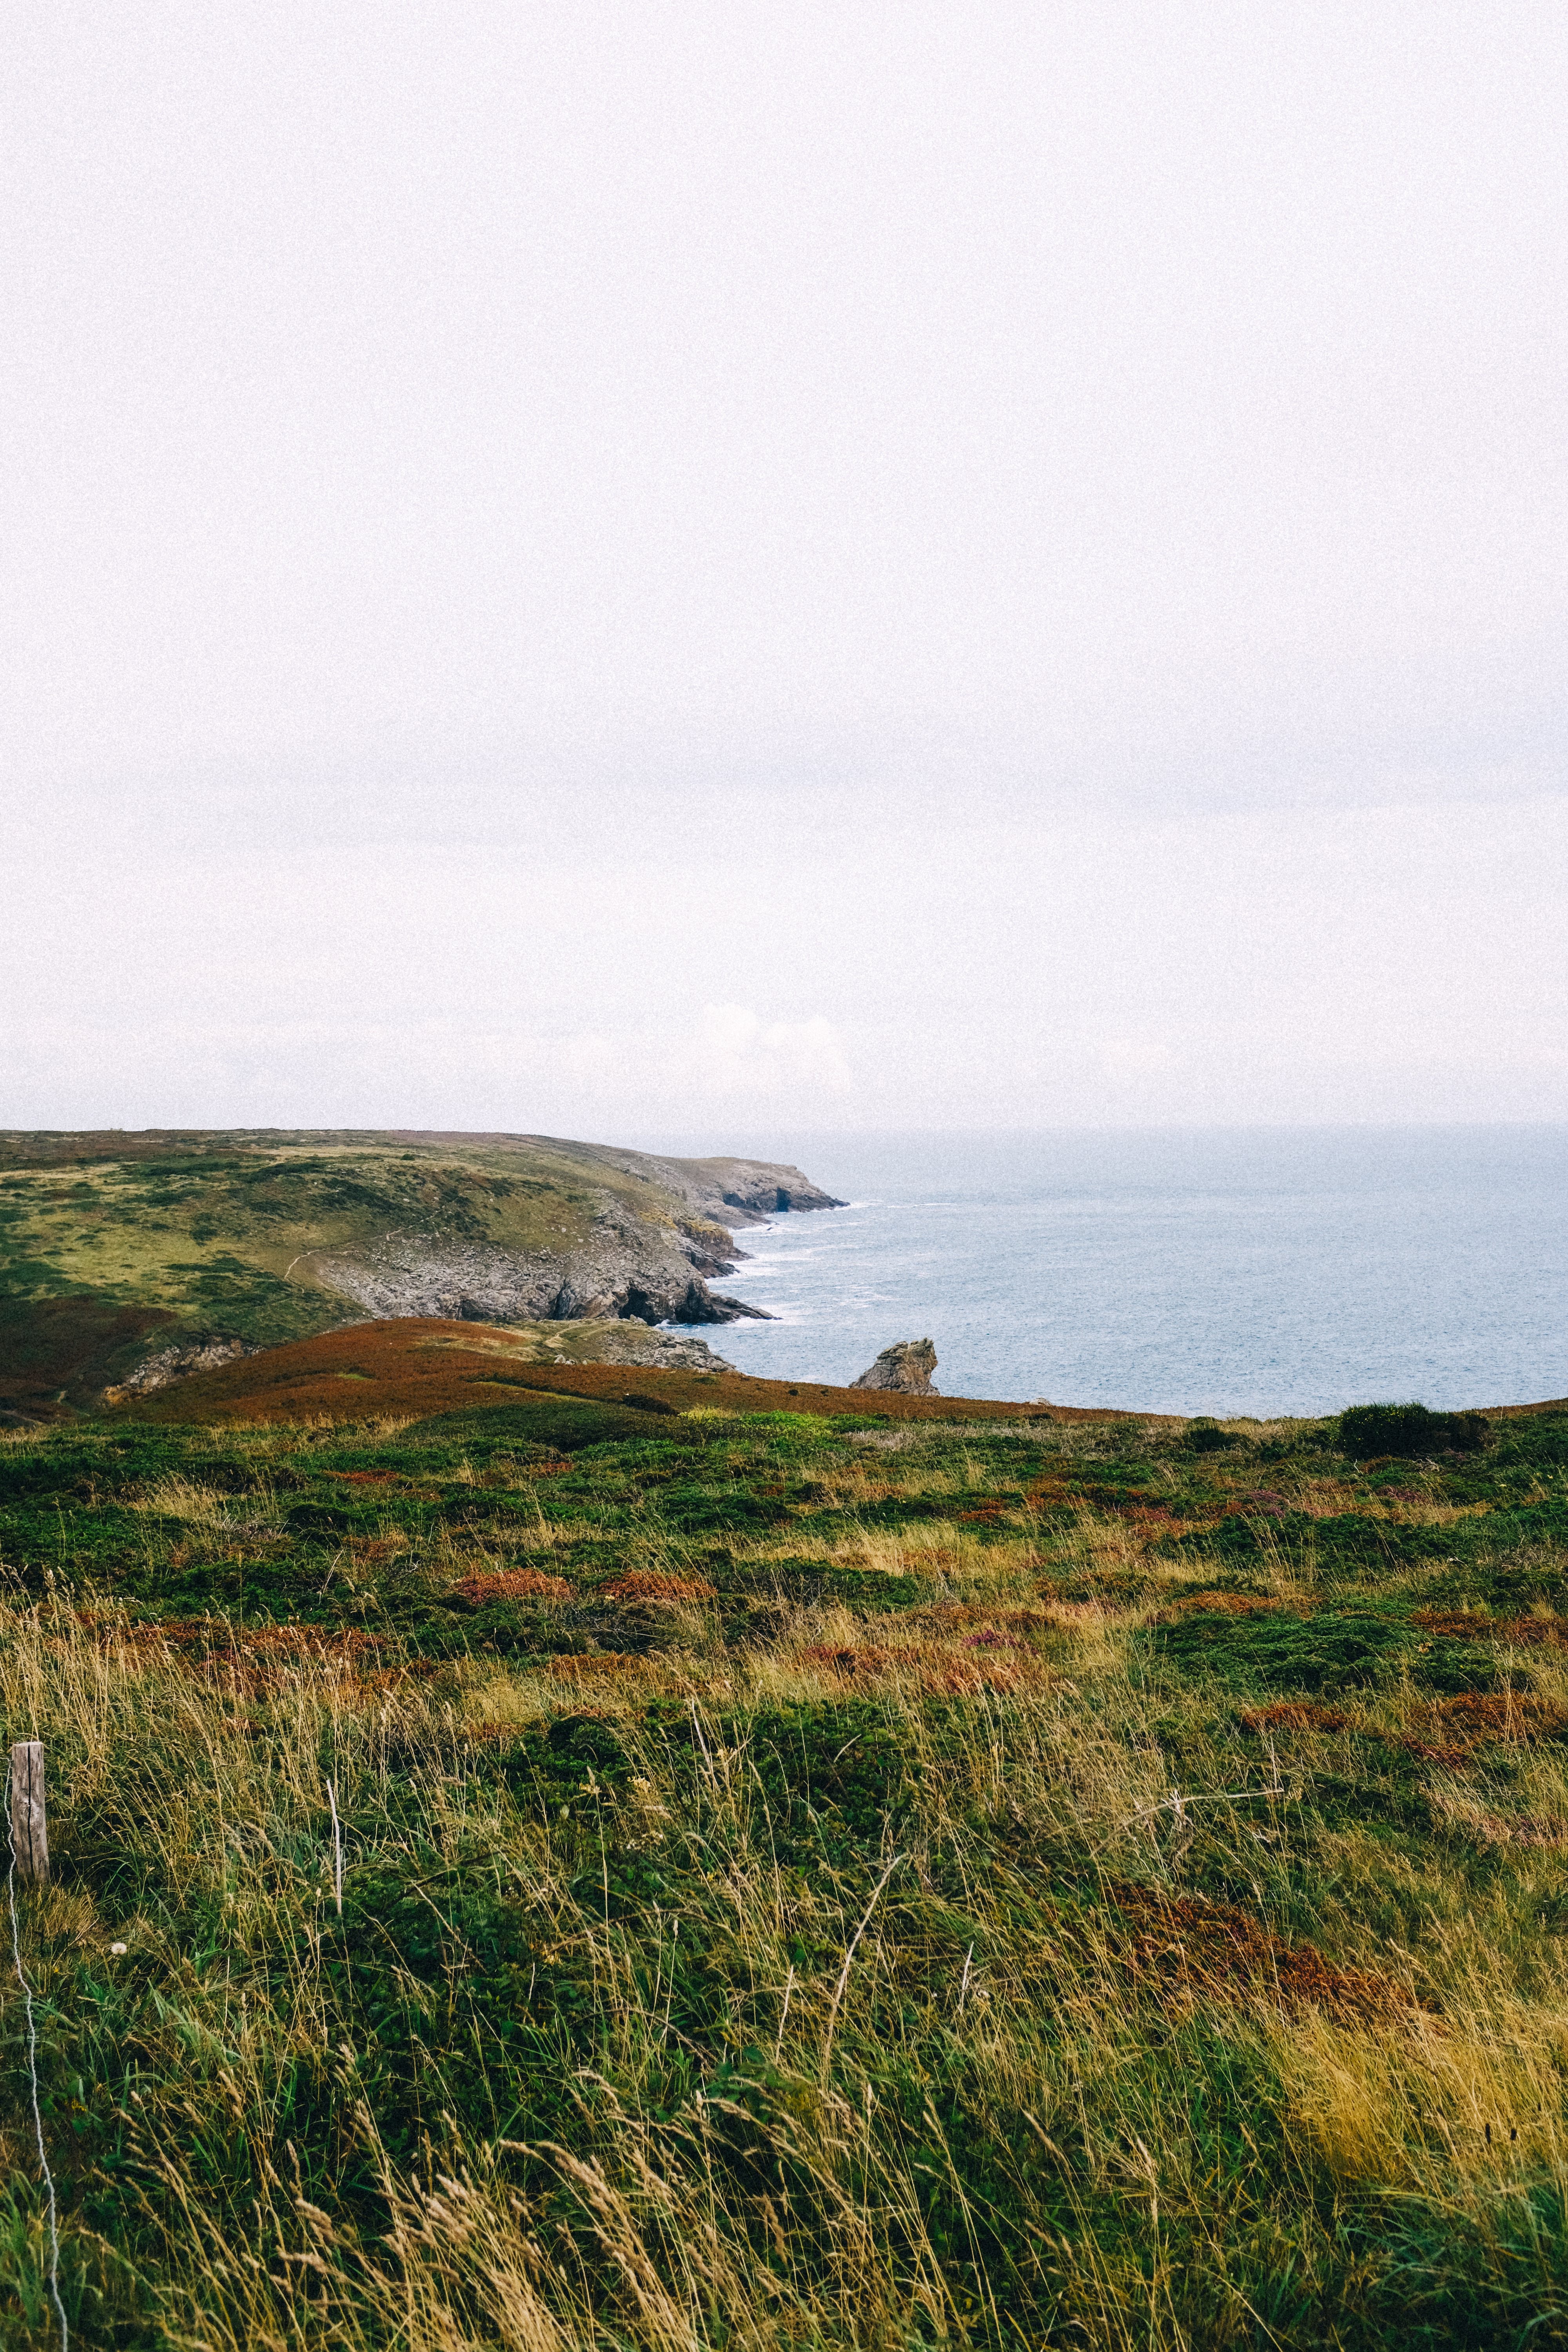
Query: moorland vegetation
640	1866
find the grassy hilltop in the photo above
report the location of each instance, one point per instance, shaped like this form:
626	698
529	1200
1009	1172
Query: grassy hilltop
816	1870
116	1246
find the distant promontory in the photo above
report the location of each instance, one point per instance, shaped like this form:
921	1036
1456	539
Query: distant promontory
118	1247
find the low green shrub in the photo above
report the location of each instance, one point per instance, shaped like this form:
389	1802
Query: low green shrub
1283	1651
1408	1431
1208	1437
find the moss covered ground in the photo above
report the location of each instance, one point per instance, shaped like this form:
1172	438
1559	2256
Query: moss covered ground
574	1872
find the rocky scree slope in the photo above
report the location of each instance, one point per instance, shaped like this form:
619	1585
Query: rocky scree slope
186	1246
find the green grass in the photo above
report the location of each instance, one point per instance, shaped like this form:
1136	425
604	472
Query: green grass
1066	1888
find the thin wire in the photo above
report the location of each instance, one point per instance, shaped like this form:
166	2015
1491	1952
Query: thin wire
33	2071
337	1849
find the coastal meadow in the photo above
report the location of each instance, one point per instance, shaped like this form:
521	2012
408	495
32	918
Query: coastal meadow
790	1879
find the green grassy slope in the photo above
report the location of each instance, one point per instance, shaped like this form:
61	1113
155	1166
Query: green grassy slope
111	1243
804	1881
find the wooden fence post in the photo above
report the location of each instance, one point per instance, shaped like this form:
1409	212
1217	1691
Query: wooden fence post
29	1830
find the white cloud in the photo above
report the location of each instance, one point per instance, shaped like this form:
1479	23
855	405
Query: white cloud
738	1054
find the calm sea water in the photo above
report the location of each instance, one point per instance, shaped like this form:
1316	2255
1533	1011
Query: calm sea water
1284	1271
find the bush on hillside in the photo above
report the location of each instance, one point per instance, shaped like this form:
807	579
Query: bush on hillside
1207	1437
1409	1431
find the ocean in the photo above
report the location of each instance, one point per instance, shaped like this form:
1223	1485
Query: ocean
1262	1272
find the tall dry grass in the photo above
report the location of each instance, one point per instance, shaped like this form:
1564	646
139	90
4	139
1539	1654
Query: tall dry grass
937	2104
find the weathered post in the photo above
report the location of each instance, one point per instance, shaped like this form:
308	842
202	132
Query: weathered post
29	1830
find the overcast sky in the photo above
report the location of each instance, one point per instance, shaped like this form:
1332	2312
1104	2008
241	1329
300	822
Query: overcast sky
609	568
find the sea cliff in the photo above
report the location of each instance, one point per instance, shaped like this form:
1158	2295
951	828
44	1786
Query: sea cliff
128	1256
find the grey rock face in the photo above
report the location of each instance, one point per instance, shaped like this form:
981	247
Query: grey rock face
727	1192
645	1278
636	1267
634	1343
202	1355
631	1269
906	1367
697	1304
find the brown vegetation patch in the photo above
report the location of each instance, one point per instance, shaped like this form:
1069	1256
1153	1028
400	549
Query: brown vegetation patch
1452	1729
1469	1625
1218	1604
1262	1502
935	1673
599	1665
57	1354
510	1584
849	1665
417	1365
1499	1715
968	1677
653	1586
254	1659
1533	1631
1455	1624
1295	1715
1138	1523
1191	1951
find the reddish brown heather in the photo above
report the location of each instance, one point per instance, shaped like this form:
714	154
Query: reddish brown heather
1455	1624
1189	1952
258	1658
649	1585
419	1365
1469	1625
1533	1631
510	1584
1295	1715
1220	1604
1452	1729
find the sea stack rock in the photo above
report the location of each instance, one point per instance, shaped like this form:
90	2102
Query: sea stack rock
906	1367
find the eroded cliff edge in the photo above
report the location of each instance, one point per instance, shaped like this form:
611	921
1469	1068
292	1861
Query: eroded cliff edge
115	1246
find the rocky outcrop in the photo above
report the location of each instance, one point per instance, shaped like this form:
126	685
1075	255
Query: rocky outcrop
630	1268
646	1279
620	1342
906	1367
727	1192
199	1355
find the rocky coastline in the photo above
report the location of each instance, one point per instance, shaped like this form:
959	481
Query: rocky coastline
131	1260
